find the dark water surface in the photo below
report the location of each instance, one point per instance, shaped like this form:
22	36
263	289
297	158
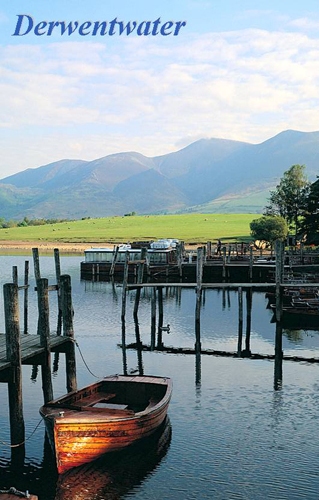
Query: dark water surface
229	436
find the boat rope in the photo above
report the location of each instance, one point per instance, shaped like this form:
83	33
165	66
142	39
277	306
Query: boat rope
5	443
85	363
14	491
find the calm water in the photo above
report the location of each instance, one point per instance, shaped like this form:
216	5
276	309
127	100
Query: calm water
230	436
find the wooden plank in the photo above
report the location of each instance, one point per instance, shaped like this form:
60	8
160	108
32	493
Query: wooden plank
31	348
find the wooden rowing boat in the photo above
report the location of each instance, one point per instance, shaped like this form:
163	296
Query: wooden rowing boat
105	416
115	475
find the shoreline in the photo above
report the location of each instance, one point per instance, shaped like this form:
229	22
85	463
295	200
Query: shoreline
48	246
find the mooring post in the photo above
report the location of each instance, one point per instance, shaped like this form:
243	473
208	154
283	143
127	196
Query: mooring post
114	260
15	275
124	289
199	274
279	252
251	262
26	296
58	276
44	332
140	274
13	351
249	297
240	320
67	322
36	263
153	316
160	317
179	258
224	264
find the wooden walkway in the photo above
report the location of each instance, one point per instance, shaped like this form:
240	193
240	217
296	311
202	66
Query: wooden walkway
31	350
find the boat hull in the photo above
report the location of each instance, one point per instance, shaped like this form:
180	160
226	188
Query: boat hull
81	433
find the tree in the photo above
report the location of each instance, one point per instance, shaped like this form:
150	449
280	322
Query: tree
310	224
269	228
288	200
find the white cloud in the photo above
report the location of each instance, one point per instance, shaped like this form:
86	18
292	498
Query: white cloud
91	99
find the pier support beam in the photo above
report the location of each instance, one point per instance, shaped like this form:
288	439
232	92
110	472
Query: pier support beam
67	320
13	349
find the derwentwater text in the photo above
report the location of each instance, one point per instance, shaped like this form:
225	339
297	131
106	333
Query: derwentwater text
26	25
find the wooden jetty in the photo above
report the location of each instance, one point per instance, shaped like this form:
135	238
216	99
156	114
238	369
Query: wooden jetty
17	349
231	265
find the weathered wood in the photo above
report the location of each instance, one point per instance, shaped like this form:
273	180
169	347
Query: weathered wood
68	331
13	352
160	316
140	274
199	274
124	286
44	332
114	260
36	263
26	297
153	316
240	320
15	275
58	276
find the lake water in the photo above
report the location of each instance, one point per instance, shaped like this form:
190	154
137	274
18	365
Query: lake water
230	435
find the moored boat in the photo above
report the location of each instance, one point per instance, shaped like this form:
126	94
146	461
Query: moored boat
105	416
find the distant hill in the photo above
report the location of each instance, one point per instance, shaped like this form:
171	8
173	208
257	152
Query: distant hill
210	175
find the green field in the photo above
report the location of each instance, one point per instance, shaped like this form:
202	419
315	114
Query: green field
191	228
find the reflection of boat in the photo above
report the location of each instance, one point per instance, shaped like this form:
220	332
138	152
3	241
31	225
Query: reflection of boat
299	315
105	416
115	474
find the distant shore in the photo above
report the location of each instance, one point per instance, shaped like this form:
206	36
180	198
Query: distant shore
48	246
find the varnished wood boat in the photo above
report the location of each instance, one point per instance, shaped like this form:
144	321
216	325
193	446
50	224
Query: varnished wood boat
105	416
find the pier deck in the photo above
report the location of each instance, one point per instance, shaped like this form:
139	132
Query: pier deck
31	350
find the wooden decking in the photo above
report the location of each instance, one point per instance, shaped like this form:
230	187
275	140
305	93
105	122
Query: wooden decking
31	350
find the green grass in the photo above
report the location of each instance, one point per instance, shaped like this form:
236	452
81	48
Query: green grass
190	228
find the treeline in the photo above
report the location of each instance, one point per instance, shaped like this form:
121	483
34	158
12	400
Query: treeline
4	224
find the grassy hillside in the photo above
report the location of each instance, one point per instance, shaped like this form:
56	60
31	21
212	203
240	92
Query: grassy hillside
195	228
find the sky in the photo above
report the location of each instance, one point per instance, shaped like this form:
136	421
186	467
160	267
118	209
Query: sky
239	70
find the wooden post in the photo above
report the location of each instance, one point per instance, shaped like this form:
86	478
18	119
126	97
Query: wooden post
67	321
58	276
124	289
224	264
13	350
153	317
139	349
15	275
249	296
279	252
26	295
44	332
251	261
114	260
179	257
36	263
124	348
140	275
160	318
240	320
199	272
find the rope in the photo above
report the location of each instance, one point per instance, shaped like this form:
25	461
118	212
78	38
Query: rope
23	442
85	363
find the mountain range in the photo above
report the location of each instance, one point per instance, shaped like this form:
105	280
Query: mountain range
208	176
